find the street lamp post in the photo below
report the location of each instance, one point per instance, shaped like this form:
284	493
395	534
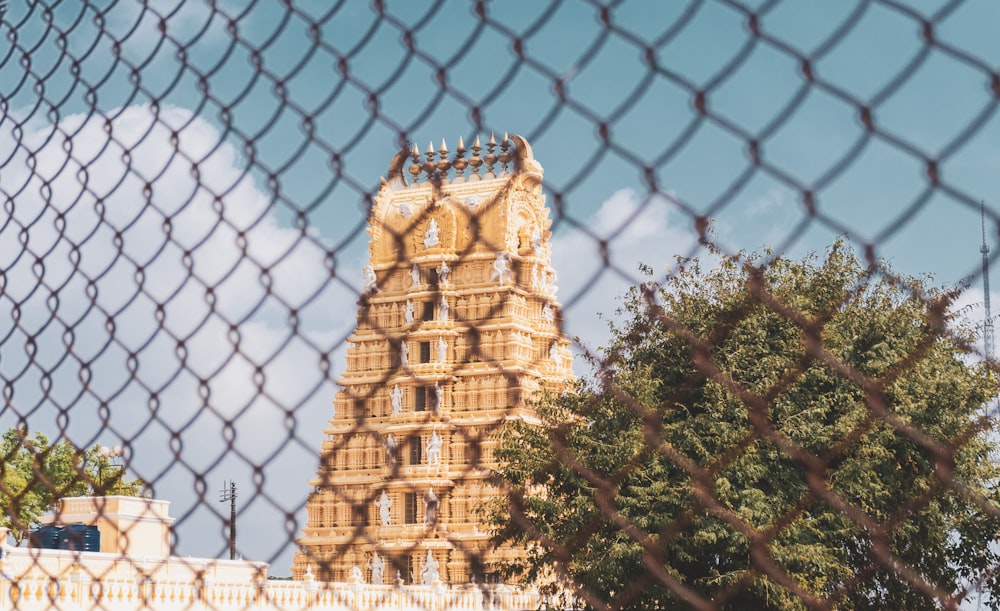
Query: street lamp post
228	493
108	454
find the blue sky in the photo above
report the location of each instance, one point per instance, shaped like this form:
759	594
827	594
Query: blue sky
230	89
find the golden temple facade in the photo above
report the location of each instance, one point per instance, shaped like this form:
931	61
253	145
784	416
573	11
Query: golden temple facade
458	327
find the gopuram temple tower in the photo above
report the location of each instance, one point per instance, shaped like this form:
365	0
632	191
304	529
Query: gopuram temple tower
458	328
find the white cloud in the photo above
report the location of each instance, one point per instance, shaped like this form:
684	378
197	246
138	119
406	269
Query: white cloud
187	23
636	230
132	223
774	199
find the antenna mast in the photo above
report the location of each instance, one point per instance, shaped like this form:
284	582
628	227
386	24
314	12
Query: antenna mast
988	323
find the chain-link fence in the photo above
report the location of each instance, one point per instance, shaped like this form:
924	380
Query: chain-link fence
189	190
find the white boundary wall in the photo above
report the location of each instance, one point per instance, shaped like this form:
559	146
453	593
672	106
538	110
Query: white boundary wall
36	579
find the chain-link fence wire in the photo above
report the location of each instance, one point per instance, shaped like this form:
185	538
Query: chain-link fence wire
186	188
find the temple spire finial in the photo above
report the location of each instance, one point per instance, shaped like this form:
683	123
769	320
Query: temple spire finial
476	160
459	163
429	166
505	156
443	163
414	168
491	157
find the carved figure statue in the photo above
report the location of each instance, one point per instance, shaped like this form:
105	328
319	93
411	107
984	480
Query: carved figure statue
369	281
430	507
415	275
408	313
390	449
429	572
443	272
555	356
443	309
438	397
383	504
536	241
536	279
397	400
501	268
547	313
356	574
404	210
442	348
434	449
404	353
432	237
551	288
378	569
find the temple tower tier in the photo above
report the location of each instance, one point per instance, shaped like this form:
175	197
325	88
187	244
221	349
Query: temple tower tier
458	327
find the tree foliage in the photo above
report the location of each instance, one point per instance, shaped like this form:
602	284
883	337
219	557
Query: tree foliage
35	474
769	434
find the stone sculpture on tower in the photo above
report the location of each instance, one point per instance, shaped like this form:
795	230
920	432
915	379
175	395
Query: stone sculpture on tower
453	338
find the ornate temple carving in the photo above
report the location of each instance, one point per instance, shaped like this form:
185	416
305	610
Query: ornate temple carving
458	327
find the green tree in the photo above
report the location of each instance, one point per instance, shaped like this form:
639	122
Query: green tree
772	434
35	474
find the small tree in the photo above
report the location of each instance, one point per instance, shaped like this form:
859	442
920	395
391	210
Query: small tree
36	474
771	434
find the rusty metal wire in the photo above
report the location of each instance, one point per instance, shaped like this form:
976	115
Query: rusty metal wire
186	190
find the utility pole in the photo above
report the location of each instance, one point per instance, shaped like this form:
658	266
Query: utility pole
106	457
987	338
228	493
988	323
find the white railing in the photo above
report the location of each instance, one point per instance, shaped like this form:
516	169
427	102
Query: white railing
32	579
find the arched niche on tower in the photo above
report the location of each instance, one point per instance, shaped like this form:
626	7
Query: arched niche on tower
475	226
526	216
486	226
441	217
387	230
